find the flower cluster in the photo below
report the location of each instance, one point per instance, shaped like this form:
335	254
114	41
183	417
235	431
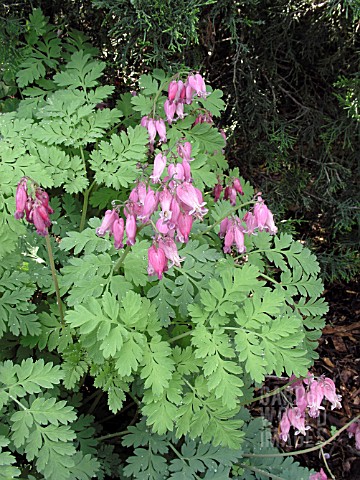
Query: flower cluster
309	394
180	203
34	202
232	229
179	93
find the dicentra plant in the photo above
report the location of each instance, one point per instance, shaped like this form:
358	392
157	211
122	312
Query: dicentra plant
179	321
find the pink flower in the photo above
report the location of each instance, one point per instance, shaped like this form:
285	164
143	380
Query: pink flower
261	213
270	225
184	225
176	91
223	227
191	197
301	398
250	221
239	237
237	186
163	227
161	129
230	194
175	212
172	90
130	228
144	121
229	237
184	150
165	199
21	198
169	109
189	93
171	251
107	223
151	128
264	217
297	420
284	426
217	191
187	170
118	232
176	172
354	429
157	262
150	205
197	83
40	223
43	212
314	397
204	118
180	110
159	166
28	209
329	390
318	476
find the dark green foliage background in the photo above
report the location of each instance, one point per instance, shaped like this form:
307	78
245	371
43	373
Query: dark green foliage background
290	70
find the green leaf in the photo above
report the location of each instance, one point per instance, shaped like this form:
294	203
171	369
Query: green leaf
86	241
7	469
135	264
158	365
115	163
85	467
29	377
206	137
81	71
213	102
142	104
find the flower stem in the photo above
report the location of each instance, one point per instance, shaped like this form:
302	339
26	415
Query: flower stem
54	276
125	253
271	393
306	450
326	464
85	206
122	258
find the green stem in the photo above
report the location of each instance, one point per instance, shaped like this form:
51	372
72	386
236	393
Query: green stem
95	402
269	278
181	457
125	254
122	258
54	277
271	393
85	206
211	227
261	472
306	450
182	335
111	435
16	401
83	159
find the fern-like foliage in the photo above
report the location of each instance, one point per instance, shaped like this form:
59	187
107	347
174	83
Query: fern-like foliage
40	425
